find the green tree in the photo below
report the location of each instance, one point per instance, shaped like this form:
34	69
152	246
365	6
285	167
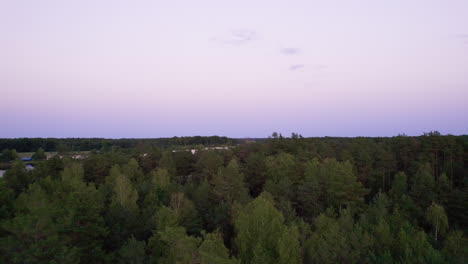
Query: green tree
14	155
56	221
455	248
8	155
262	236
207	206
170	242
423	185
187	215
122	215
159	191
160	178
337	240
208	164
17	178
254	171
133	252
181	247
399	186
342	187
125	195
85	227
228	184
167	162
97	167
310	194
7	199
436	216
132	171
280	175
412	246
213	251
442	188
148	159
39	155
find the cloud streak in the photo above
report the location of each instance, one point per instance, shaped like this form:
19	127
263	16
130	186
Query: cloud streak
317	67
463	38
237	37
296	67
290	51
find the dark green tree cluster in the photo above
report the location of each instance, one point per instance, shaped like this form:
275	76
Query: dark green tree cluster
283	200
8	155
39	155
86	144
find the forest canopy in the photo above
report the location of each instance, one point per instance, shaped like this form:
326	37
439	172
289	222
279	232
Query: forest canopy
277	200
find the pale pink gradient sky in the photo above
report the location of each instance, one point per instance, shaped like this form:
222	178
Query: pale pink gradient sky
112	68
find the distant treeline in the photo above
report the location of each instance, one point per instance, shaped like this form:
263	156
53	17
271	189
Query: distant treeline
85	144
385	156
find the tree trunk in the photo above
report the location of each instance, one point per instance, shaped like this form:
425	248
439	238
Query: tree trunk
436	234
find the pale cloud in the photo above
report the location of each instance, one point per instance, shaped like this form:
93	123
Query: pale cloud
290	51
296	67
237	37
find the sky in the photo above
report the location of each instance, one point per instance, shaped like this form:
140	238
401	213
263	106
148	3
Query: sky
153	68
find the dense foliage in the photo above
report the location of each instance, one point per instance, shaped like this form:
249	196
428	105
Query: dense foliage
85	144
281	200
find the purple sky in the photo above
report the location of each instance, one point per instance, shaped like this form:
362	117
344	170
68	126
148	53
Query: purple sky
111	68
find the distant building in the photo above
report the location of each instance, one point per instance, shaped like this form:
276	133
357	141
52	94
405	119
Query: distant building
26	159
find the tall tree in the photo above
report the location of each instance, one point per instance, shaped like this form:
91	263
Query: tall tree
436	216
423	185
39	155
8	155
213	251
167	162
263	237
254	171
17	178
343	189
208	164
122	214
337	240
125	195
281	177
455	248
170	242
228	184
399	185
310	194
132	252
